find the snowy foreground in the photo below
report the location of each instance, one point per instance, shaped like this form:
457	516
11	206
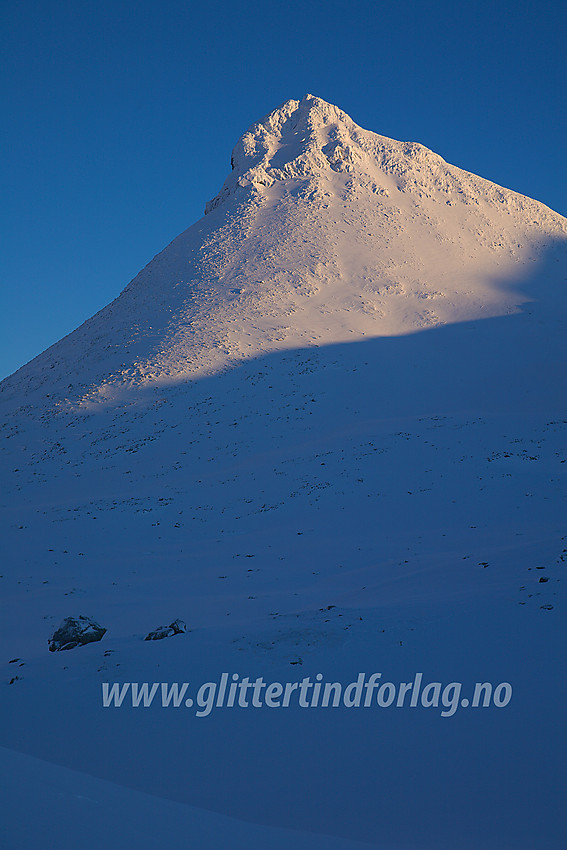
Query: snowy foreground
327	428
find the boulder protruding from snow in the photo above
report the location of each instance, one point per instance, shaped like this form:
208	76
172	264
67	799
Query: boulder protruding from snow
178	627
75	631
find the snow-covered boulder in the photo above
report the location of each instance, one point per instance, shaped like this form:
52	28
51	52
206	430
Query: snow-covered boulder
75	631
177	627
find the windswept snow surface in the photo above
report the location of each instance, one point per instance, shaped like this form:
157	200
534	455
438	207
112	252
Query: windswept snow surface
326	427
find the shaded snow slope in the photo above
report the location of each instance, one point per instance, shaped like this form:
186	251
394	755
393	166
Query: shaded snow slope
71	809
326	427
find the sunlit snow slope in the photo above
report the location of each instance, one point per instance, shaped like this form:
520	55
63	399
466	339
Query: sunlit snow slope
323	233
327	427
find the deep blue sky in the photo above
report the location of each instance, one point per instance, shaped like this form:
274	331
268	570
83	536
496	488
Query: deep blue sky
120	118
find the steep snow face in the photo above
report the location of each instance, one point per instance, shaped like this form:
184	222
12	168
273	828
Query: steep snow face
323	233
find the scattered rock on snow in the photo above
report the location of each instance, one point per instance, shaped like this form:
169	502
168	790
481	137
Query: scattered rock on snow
178	627
75	631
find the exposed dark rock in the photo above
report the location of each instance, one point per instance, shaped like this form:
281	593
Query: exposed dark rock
177	627
75	631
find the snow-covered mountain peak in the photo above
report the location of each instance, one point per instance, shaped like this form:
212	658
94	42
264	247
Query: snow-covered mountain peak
325	428
323	233
300	139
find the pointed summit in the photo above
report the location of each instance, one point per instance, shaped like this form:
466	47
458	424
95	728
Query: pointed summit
298	140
